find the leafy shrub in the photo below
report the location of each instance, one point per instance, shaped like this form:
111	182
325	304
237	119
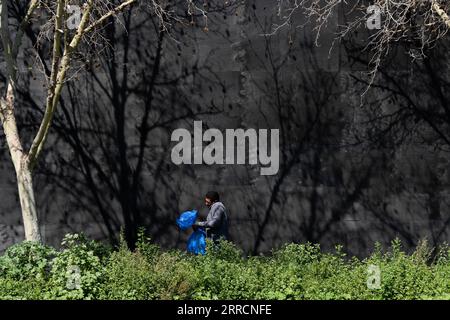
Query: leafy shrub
299	254
76	271
175	275
144	246
26	260
85	269
29	289
128	276
405	276
224	250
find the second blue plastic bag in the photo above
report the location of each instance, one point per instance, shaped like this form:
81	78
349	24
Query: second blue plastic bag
197	242
187	219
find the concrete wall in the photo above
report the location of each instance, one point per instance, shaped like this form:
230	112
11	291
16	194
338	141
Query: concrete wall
325	194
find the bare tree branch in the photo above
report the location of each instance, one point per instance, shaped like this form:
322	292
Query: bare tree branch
436	7
18	41
109	14
416	25
52	101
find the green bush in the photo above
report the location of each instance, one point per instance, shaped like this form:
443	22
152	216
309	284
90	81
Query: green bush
77	271
26	260
143	245
84	269
128	276
29	289
224	250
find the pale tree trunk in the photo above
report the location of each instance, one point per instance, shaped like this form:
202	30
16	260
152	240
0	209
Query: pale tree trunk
7	108
23	161
27	202
444	16
21	166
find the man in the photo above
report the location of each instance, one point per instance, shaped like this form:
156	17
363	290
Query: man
216	223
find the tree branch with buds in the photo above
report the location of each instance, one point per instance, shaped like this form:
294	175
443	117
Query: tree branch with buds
416	24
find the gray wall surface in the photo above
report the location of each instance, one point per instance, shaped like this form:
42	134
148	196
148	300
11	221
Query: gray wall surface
336	185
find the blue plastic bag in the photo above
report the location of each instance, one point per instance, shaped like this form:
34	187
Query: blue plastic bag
187	219
197	242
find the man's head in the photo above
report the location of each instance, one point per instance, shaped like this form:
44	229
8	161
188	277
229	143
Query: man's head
211	197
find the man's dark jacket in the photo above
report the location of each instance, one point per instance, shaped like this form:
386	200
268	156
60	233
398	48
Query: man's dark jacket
216	222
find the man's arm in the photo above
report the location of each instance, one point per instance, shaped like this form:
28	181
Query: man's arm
217	215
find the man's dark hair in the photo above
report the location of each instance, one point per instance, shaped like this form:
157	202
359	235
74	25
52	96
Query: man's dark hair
213	196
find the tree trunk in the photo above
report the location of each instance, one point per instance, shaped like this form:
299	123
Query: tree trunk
28	204
21	166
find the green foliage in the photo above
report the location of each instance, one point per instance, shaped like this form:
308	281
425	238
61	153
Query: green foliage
77	272
128	276
29	289
84	269
26	260
405	276
224	250
298	254
143	245
175	276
